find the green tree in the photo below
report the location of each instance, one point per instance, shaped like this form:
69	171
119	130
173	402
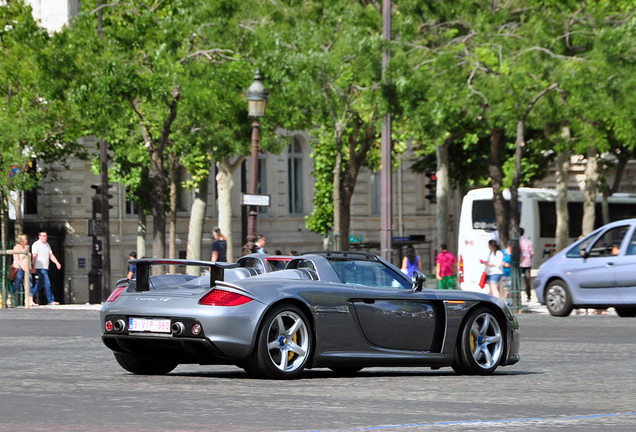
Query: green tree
326	62
162	84
31	125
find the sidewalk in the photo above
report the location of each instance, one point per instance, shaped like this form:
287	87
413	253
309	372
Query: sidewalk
87	306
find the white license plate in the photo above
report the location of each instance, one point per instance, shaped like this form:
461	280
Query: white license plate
149	325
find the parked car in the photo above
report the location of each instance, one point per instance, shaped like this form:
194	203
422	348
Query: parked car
338	310
597	271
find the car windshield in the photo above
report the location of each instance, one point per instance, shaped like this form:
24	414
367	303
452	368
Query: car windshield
372	274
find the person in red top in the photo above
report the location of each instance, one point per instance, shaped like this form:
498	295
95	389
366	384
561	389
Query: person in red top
445	268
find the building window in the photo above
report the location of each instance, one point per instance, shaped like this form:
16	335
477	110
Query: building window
131	208
295	177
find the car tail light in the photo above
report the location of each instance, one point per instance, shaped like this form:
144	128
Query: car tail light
218	297
461	268
113	296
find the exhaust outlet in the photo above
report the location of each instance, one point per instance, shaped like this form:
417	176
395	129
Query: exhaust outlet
177	328
119	326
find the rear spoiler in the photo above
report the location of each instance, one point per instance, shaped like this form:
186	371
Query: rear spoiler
217	269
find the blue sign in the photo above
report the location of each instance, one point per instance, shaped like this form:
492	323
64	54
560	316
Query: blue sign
81	262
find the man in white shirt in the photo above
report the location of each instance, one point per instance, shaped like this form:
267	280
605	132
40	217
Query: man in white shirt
42	255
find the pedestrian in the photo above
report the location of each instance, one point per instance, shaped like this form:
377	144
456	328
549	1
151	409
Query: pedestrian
411	262
19	263
494	267
132	269
293	252
445	268
525	263
42	255
260	244
219	247
504	284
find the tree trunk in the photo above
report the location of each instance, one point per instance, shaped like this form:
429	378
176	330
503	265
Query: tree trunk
224	185
496	178
591	188
142	228
520	143
562	168
158	175
337	191
19	216
196	225
359	147
442	194
172	253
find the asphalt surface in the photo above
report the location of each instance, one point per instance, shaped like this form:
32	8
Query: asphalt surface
576	373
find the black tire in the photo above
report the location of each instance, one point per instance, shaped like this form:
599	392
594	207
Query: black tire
284	345
626	312
144	366
481	343
558	299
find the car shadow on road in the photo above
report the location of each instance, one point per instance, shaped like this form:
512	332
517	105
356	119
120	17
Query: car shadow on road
365	373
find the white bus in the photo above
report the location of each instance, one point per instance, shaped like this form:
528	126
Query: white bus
537	207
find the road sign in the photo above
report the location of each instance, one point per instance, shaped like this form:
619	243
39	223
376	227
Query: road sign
255	200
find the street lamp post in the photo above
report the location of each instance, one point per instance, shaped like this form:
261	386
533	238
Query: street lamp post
256	101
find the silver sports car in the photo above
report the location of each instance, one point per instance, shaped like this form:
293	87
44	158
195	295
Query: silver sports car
338	310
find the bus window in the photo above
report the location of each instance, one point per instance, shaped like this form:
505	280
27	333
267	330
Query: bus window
484	217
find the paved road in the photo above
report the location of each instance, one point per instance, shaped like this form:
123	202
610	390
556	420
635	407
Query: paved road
576	373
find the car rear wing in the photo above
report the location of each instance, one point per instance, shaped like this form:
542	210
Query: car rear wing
217	269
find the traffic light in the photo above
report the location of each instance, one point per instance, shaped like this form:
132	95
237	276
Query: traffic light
432	187
97	199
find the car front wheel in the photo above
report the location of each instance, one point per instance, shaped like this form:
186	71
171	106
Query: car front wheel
558	299
144	366
481	344
284	344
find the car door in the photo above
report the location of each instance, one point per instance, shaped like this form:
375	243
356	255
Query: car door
596	277
390	314
625	265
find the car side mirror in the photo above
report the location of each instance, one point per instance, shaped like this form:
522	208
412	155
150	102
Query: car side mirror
584	253
418	281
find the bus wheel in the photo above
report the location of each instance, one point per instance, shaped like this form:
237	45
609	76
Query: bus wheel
558	299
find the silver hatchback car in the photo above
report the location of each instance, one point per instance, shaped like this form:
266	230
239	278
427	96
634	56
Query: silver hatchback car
597	271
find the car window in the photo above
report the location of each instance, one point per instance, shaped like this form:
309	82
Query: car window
252	262
575	251
609	242
306	264
368	273
631	247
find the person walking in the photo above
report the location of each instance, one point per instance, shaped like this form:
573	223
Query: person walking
445	268
504	283
42	255
411	262
494	267
525	263
132	269
19	263
219	246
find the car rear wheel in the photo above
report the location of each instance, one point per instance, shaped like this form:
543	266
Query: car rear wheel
284	345
481	344
558	299
144	366
626	312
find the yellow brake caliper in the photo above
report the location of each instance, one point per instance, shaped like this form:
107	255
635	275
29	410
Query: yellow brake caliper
291	353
